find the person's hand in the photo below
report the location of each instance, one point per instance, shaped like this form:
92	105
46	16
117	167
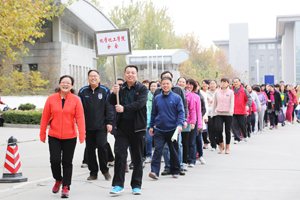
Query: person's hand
255	113
292	104
206	120
200	129
192	126
81	142
247	107
116	89
247	114
184	125
280	108
109	128
151	132
119	108
269	100
259	110
43	141
287	104
261	104
179	129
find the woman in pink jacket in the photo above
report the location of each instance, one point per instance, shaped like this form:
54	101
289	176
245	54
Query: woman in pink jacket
223	110
290	107
192	86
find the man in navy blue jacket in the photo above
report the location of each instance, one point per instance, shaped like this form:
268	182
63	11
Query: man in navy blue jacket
167	115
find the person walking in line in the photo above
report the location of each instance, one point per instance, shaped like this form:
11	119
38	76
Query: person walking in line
285	98
254	118
167	116
211	124
290	107
242	102
149	139
182	83
250	113
192	87
205	133
265	89
131	126
99	116
295	104
274	106
263	102
222	111
62	111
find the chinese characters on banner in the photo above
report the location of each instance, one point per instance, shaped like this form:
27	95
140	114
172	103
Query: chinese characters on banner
112	43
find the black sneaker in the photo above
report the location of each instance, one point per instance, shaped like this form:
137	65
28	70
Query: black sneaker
131	166
166	172
181	173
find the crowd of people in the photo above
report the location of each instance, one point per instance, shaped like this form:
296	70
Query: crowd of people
178	121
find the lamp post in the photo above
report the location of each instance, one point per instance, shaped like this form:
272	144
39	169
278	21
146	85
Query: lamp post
156	63
257	65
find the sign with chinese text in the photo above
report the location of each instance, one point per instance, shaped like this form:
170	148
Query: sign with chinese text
113	42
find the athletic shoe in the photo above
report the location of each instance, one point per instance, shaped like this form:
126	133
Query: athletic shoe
92	178
153	175
131	166
276	127
166	172
181	173
191	165
288	123
84	165
235	142
213	149
202	161
116	190
56	187
107	176
136	191
245	139
175	176
205	146
111	164
255	132
241	137
298	120
65	192
148	160
185	167
271	127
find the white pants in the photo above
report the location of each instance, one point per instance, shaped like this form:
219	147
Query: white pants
260	118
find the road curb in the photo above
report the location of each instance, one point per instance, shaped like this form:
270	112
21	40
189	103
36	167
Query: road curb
8	125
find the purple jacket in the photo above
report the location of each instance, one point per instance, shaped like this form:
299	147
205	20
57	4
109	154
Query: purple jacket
262	99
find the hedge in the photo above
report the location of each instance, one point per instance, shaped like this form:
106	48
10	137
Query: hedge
22	117
27	106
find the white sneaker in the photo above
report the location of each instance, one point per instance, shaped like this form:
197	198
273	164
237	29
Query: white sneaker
245	139
191	165
255	132
148	160
84	165
185	167
202	161
235	142
213	149
288	123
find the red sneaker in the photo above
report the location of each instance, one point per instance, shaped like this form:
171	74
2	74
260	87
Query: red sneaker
56	187
65	192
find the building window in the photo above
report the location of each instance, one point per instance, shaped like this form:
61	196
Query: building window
17	67
271	46
252	46
271	57
278	46
67	34
271	69
33	67
280	57
251	57
252	80
252	69
261	58
262	46
261	80
85	42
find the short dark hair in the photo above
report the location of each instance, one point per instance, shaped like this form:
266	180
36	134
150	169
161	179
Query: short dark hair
257	89
271	85
121	79
205	81
180	78
152	82
166	78
276	85
165	72
192	82
281	82
145	81
131	66
213	81
237	79
93	70
61	78
225	80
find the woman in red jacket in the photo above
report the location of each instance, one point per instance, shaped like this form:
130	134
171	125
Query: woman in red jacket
61	111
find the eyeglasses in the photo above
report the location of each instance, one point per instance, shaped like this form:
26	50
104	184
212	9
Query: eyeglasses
120	84
65	83
93	76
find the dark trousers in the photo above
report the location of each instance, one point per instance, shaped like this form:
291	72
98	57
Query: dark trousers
62	152
219	121
266	116
96	139
192	145
110	156
199	143
185	146
205	134
273	118
248	126
253	116
160	139
125	136
212	133
239	122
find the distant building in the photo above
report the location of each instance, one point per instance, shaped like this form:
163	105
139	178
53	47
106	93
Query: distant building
70	41
167	59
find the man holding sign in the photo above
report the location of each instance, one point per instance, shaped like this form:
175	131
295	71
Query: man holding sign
167	119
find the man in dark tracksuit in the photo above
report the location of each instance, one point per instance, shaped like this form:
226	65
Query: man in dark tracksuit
99	115
166	152
130	129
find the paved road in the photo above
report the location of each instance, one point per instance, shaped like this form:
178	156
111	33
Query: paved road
266	167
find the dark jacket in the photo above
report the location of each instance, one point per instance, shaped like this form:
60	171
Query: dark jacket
138	106
286	98
177	90
98	111
278	101
203	108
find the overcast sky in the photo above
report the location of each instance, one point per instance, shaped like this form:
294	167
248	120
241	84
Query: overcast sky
210	19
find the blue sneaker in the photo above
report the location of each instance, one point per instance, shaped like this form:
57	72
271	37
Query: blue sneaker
116	190
136	191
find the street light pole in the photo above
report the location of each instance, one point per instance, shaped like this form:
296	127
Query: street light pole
257	70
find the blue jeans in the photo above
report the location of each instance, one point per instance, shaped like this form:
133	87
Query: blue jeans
199	143
192	146
148	145
298	114
160	139
166	154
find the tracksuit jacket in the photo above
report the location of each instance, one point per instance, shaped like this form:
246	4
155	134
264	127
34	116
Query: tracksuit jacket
241	99
167	112
98	111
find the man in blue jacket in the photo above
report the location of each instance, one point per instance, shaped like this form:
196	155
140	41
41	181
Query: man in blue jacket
167	115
